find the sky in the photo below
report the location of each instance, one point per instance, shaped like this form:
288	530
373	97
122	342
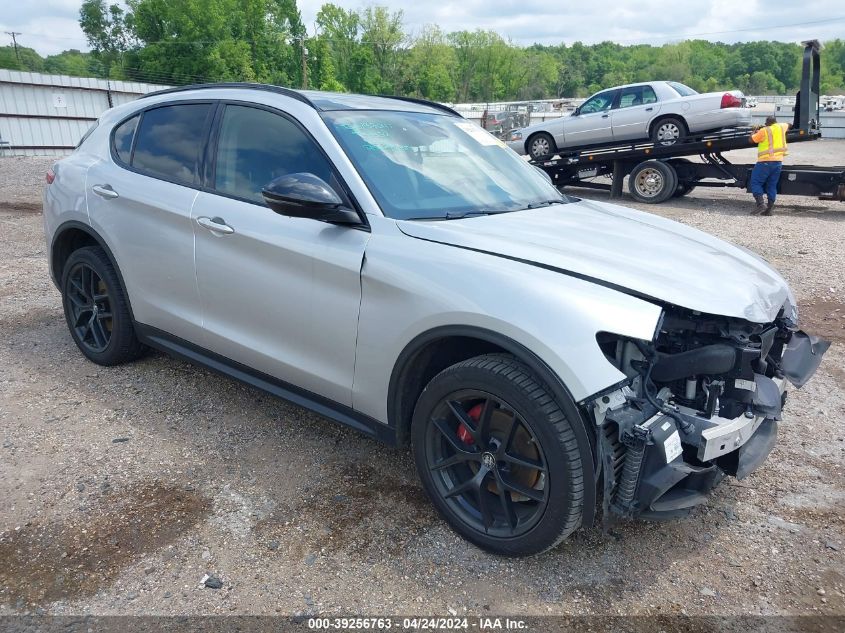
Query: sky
50	26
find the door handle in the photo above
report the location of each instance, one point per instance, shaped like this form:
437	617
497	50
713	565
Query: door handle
649	109
215	224
104	191
604	116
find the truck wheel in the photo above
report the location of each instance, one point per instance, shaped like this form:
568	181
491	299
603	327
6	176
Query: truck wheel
541	145
96	310
498	456
684	187
668	131
652	181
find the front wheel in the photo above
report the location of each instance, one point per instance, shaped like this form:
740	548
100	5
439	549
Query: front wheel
498	457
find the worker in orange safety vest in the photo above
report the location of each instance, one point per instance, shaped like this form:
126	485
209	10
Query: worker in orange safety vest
771	149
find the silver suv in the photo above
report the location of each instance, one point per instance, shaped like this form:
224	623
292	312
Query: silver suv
396	268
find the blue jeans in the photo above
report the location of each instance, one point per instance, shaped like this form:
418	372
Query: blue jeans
765	177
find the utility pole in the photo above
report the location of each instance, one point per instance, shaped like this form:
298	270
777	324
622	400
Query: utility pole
14	34
304	52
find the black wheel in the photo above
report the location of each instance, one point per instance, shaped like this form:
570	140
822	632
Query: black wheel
684	187
498	456
668	131
652	181
96	310
541	145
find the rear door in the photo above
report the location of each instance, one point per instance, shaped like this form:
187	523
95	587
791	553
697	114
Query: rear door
592	123
636	106
140	202
279	294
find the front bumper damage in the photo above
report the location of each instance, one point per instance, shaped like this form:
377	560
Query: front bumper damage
659	462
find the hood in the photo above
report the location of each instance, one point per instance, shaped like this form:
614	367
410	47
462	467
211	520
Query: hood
634	251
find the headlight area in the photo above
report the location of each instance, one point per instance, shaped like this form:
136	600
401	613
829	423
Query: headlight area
702	400
515	135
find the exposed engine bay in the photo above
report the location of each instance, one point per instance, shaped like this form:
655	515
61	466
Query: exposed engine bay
702	400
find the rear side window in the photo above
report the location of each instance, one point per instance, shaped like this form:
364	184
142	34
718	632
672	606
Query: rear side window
122	138
171	140
681	89
257	146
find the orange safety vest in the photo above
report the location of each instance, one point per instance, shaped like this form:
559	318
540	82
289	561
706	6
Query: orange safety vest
772	146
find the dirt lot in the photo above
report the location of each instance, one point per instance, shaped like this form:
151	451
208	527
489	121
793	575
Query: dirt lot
122	488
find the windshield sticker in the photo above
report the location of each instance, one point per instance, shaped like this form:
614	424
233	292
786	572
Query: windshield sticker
485	138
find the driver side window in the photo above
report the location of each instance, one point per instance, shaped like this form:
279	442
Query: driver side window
256	146
598	103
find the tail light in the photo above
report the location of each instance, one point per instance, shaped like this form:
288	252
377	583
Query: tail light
731	101
50	176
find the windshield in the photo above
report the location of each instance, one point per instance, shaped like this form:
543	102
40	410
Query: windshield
428	166
681	89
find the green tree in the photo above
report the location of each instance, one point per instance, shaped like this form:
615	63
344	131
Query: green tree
108	30
25	59
382	36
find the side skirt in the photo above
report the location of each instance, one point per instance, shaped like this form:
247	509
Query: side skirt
334	411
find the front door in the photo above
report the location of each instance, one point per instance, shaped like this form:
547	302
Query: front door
591	125
280	294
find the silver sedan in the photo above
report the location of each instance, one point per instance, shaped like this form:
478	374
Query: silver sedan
663	111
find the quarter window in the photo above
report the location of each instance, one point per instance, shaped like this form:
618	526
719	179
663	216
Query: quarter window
122	139
170	141
256	146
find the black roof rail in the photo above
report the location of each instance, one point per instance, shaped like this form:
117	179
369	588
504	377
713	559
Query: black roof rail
426	102
293	94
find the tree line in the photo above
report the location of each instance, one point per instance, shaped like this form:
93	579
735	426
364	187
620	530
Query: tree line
371	51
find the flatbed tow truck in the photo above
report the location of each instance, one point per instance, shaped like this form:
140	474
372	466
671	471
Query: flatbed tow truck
659	172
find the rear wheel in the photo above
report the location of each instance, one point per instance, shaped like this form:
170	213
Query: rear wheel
96	309
652	181
541	145
498	457
668	131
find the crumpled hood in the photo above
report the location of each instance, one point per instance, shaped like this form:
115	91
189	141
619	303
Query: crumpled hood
636	251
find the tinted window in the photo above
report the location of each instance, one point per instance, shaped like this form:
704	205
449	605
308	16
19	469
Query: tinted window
256	146
170	141
597	103
636	95
123	135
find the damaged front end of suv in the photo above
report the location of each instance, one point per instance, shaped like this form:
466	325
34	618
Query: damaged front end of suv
702	400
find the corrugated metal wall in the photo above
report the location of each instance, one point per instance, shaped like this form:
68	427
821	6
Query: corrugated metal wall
46	115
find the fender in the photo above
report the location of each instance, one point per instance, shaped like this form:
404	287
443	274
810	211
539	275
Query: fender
76	224
586	441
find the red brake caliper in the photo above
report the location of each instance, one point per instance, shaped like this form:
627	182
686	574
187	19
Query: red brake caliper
463	432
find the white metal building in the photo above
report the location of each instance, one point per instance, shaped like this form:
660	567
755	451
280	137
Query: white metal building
46	115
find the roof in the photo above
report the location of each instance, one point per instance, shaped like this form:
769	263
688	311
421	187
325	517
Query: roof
327	101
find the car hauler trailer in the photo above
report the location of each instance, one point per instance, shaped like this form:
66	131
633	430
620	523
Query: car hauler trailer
659	172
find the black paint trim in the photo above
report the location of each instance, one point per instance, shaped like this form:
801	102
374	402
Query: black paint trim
560	392
425	102
293	94
318	404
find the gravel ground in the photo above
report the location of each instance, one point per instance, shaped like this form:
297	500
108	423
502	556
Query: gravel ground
123	488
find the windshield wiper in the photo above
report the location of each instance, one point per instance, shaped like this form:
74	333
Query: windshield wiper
545	203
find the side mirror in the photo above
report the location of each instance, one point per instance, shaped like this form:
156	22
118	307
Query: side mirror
576	111
304	195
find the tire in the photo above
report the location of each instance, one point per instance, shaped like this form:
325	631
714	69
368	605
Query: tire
684	187
96	309
516	488
541	145
668	131
652	181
